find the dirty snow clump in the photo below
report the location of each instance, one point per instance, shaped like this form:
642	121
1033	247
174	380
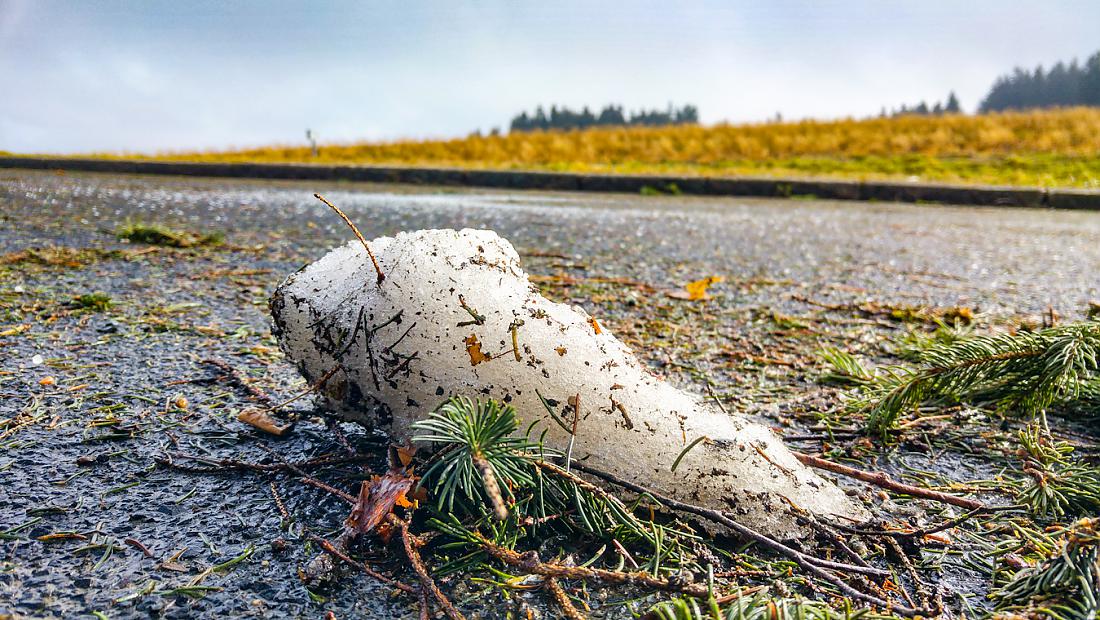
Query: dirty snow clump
456	315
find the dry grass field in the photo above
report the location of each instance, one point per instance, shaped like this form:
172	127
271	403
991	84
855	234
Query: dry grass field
1058	147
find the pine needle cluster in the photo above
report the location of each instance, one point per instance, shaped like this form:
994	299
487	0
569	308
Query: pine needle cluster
1060	485
488	477
1026	371
757	606
1066	586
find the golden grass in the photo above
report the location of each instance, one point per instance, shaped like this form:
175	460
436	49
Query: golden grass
1058	147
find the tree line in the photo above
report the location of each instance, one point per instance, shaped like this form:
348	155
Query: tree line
950	106
609	116
1061	85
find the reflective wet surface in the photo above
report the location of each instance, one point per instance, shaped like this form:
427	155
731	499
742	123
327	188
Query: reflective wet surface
91	398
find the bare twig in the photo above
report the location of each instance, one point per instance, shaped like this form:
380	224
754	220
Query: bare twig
733	596
880	479
333	425
717	401
562	599
425	606
623	552
914	577
477	318
239	380
925	531
222	465
280	504
837	540
576	402
333	551
514	328
358	234
318	384
426	581
313	482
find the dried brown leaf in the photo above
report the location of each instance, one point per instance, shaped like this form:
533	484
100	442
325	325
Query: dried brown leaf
262	420
377	499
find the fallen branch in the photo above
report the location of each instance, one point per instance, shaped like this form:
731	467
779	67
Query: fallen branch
880	479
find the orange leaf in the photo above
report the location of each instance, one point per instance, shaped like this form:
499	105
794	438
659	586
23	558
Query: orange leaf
405	455
697	290
473	347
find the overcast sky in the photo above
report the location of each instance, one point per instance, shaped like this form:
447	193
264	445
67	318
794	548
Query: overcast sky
150	75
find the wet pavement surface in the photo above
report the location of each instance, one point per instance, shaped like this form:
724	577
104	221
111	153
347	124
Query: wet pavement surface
91	397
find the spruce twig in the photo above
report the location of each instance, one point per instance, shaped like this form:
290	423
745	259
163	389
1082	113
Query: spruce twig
1059	484
1025	371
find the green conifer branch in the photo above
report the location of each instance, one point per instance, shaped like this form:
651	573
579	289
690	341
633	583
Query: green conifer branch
1024	371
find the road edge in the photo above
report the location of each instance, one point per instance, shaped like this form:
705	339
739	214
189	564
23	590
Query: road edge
874	191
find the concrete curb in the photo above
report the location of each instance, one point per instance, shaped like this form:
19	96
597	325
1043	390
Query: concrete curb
562	181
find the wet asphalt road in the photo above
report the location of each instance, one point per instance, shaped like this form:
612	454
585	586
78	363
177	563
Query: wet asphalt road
74	533
1000	260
